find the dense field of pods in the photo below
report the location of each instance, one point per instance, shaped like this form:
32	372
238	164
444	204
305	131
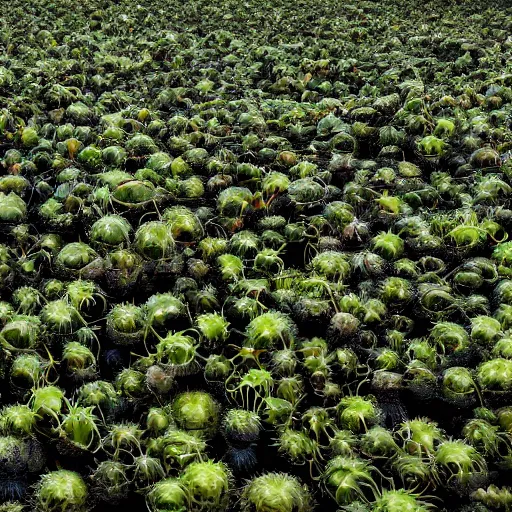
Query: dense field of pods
255	256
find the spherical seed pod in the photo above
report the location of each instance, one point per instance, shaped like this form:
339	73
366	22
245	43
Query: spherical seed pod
242	311
504	418
401	499
125	324
110	230
503	349
17	420
21	332
99	394
332	265
272	239
253	388
207	485
27	299
122	270
368	264
159	162
432	146
485	330
284	362
79	427
385	360
184	224
74	259
51	242
26	371
275	223
191	188
485	437
375	311
7	274
217	368
141	145
276	411
110	481
346	477
47	401
308	313
319	369
290	388
343	442
177	448
154	240
388	245
420	436
163	310
213	327
275	183
204	300
502	254
395	291
241	426
459	461
296	446
122	438
79	362
276	491
6	312
244	244
147	470
113	156
306	191
231	267
503	292
466	280
270	329
268	261
343	326
356	233
211	247
379	442
495	375
61	490
167	494
406	268
401	324
86	297
504	316
219	182
449	337
179	168
176	354
13	209
131	383
232	201
61	317
420	381
157	421
357	413
196	412
484	157
53	213
414	471
422	350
